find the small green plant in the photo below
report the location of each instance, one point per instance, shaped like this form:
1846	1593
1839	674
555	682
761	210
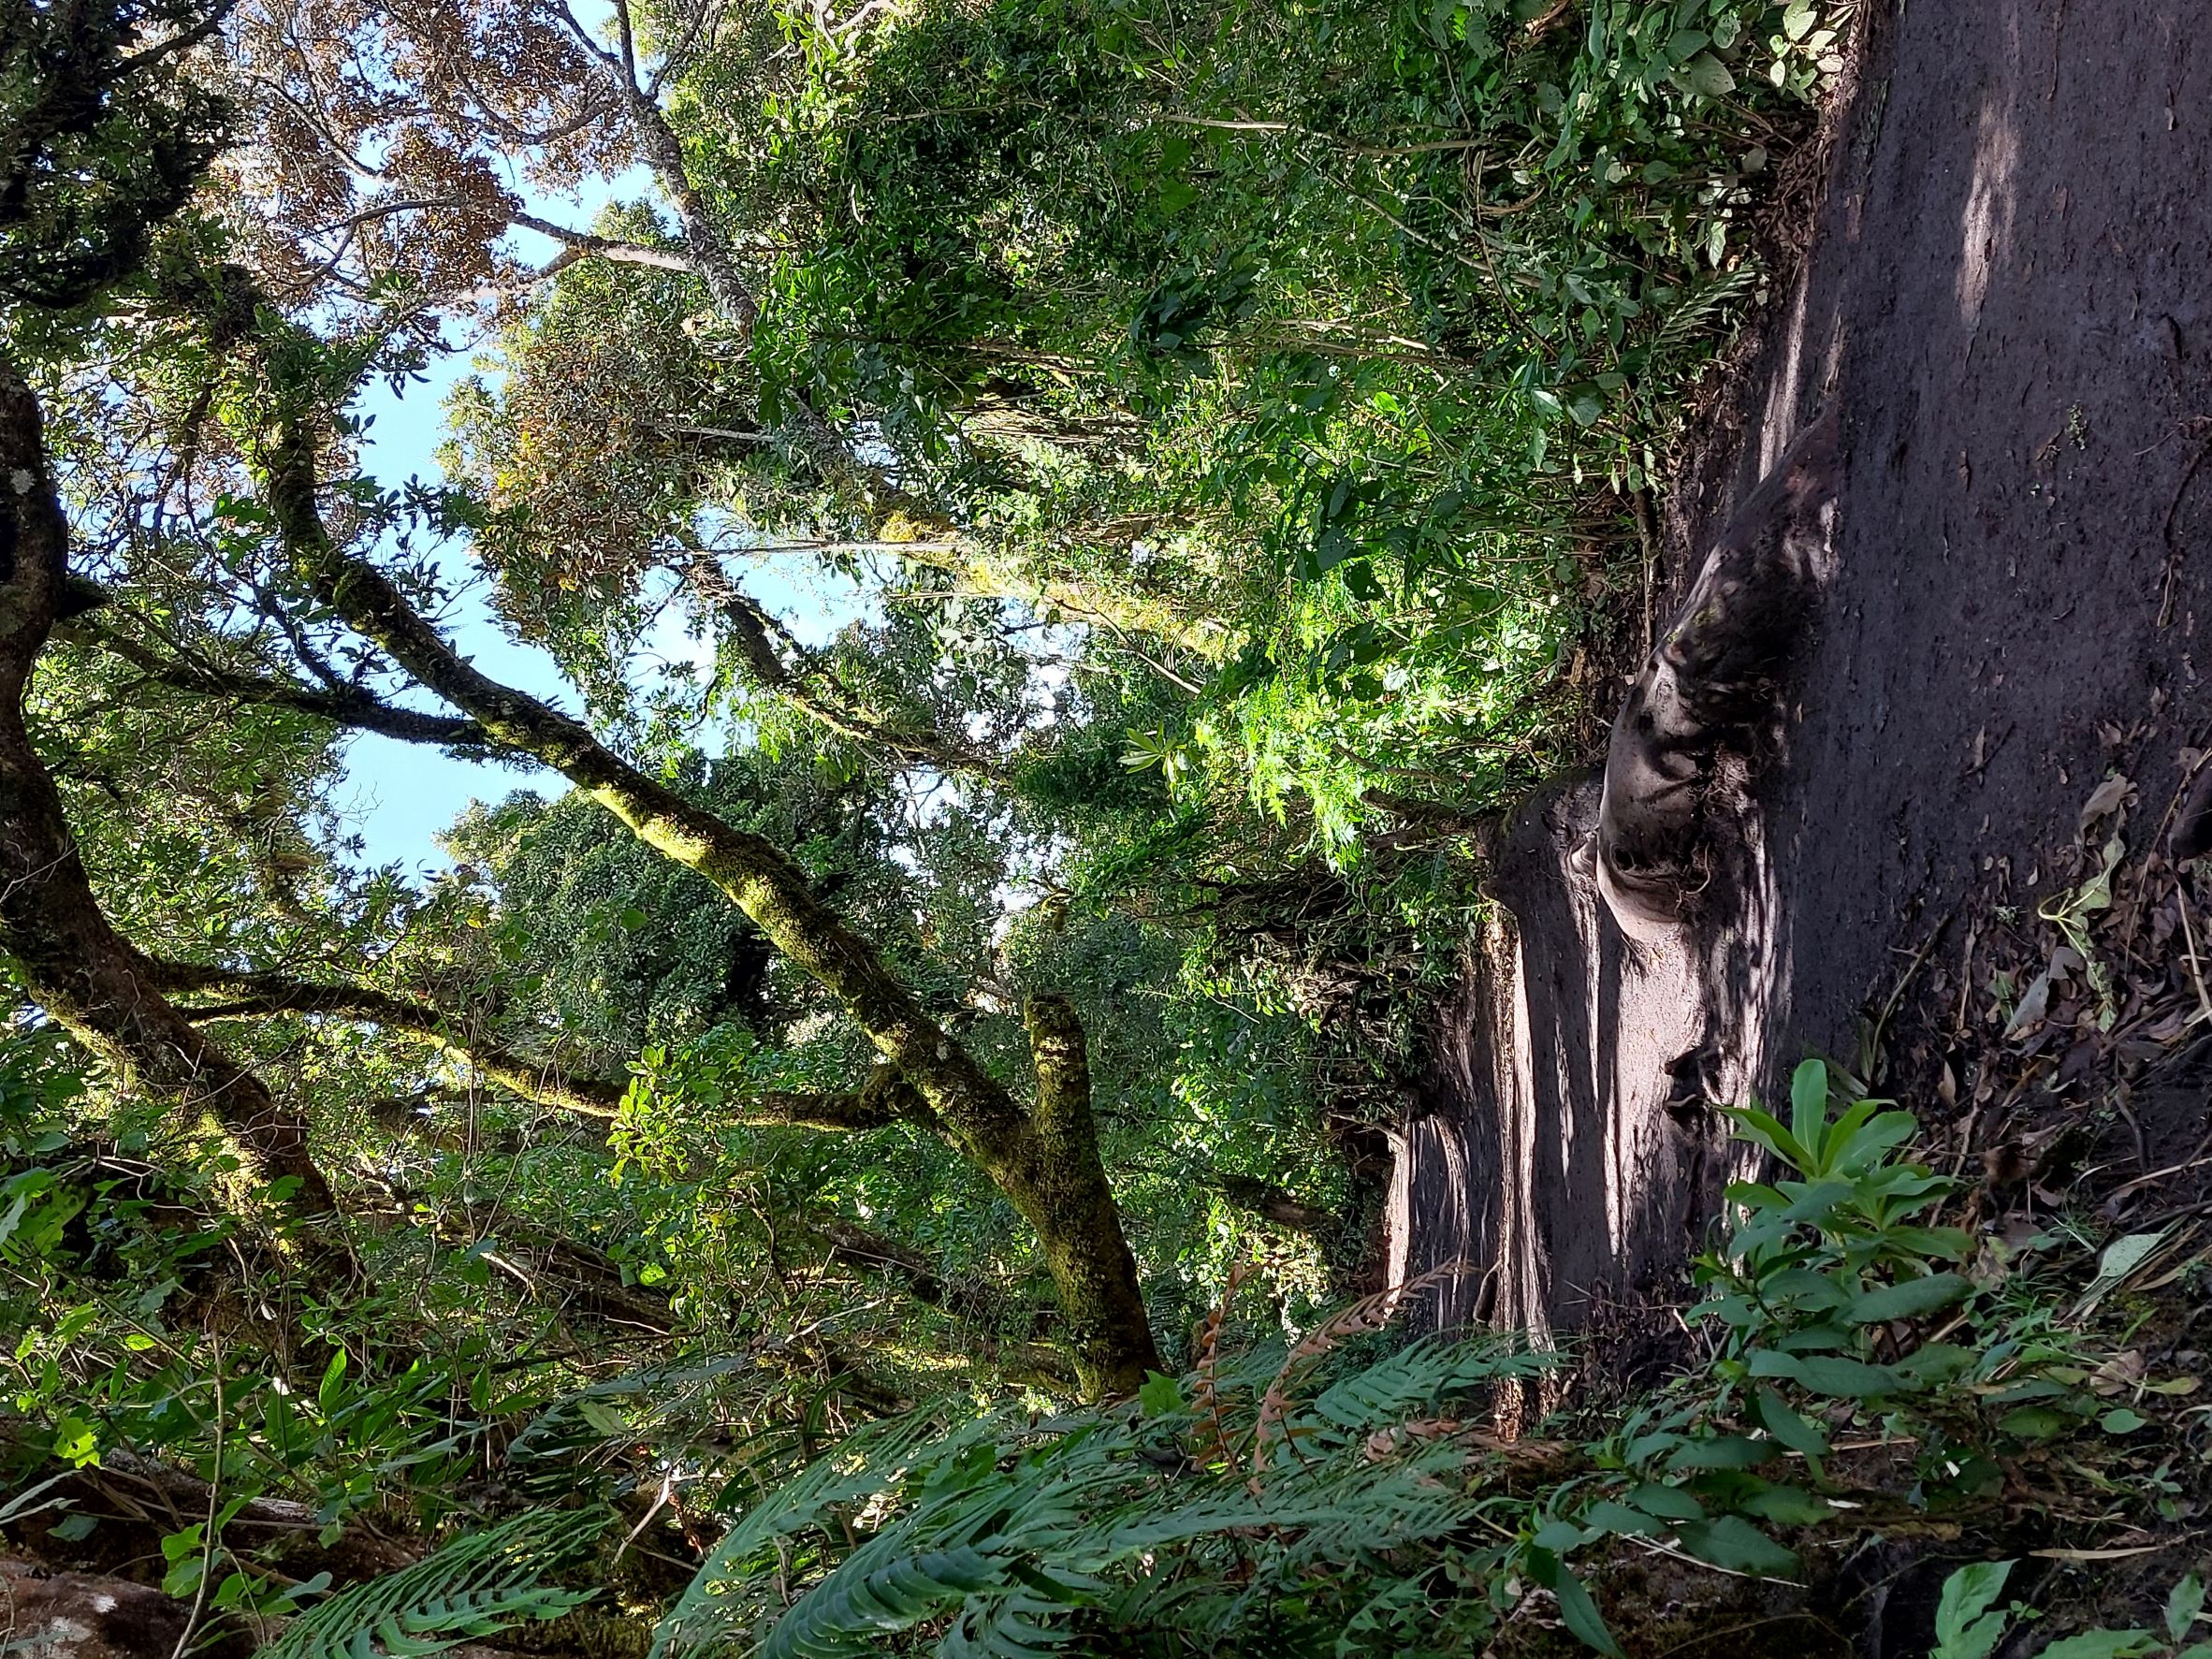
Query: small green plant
1834	1296
1969	1623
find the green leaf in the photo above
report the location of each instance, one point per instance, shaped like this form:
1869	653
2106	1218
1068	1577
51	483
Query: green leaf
633	919
1707	75
1862	1136
1809	1103
1797	21
1933	1364
2102	1644
1908	1299
1576	1609
1606	1516
1965	1627
1669	1503
1722	1452
2036	1422
1799	1432
1828	1374
2120	1421
2183	1606
1160	1396
1729	1542
1755	1126
1560	1537
1786	1505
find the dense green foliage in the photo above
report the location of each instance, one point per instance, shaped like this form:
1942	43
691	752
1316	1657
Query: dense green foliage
1333	1496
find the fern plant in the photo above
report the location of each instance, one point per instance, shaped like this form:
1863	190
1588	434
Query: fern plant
1226	1506
478	1585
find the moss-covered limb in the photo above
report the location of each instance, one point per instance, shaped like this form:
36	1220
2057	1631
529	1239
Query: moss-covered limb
884	1099
258	995
1056	1177
973	568
806	686
71	960
355	706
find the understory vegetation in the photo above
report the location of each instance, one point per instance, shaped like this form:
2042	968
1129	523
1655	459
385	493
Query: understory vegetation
1871	1394
994	563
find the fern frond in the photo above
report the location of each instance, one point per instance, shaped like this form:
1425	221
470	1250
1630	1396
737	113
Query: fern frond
1205	1368
478	1585
1702	310
707	1616
1011	1538
1363	1318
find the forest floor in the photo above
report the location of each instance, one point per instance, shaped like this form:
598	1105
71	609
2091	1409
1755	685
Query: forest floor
2004	286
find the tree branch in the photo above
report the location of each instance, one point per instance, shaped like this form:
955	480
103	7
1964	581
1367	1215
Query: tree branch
1271	1202
73	962
346	706
258	994
884	1099
802	686
607	247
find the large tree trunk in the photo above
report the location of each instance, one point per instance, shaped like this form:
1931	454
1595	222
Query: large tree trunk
1054	1175
73	962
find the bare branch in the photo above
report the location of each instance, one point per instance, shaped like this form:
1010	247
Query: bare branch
607	247
347	705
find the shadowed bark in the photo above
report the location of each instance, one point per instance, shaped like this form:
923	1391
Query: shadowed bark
1271	1202
1709	684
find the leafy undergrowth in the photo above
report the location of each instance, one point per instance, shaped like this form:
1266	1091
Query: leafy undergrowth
1876	1409
1875	1397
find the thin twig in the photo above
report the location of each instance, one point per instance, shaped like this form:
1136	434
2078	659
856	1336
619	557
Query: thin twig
1684	1556
207	1541
2195	970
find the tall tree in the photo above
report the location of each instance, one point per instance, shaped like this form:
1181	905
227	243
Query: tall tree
101	143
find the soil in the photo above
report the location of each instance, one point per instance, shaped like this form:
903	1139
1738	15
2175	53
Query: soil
2005	288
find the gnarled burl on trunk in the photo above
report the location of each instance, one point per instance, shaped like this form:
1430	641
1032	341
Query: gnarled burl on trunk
1711	686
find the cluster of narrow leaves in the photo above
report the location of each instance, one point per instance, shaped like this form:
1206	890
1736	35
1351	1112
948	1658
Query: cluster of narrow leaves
478	1585
1173	1515
1834	1298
